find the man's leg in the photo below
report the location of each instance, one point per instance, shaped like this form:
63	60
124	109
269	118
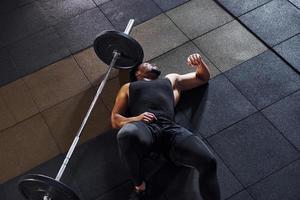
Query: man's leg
193	152
135	141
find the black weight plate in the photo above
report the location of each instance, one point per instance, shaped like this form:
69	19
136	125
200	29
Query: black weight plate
131	51
37	186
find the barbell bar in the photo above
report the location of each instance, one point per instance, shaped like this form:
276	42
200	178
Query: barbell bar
118	50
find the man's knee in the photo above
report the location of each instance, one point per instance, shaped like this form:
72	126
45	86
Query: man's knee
208	164
213	164
128	132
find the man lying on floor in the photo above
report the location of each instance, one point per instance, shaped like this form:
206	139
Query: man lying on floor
144	113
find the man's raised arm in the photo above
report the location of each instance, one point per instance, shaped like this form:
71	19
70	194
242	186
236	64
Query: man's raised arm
193	79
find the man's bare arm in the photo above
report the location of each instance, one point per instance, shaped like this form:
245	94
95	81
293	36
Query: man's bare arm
117	116
119	109
193	79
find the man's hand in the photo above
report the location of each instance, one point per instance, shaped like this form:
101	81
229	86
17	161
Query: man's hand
147	117
202	71
195	60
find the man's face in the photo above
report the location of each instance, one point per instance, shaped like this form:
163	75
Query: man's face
145	71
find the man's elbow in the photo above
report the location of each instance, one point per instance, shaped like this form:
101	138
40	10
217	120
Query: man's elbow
114	123
114	126
204	78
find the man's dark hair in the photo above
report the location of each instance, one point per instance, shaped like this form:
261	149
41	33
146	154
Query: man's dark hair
132	76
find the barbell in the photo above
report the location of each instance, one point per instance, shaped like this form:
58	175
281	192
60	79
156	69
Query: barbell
116	49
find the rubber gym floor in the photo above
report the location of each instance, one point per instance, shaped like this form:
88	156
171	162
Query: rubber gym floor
248	114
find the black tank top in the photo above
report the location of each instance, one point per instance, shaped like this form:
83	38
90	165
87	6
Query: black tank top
155	96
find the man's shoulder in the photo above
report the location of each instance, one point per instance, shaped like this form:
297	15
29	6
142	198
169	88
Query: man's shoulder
173	77
126	85
125	88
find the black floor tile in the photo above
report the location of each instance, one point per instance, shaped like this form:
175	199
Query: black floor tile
2	192
177	195
119	12
11	191
264	79
8	72
49	168
169	4
290	51
9	5
80	31
285	115
36	51
99	2
253	149
295	2
163	197
218	106
58	10
97	166
21	23
23	2
284	184
239	7
228	183
244	195
274	22
121	192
